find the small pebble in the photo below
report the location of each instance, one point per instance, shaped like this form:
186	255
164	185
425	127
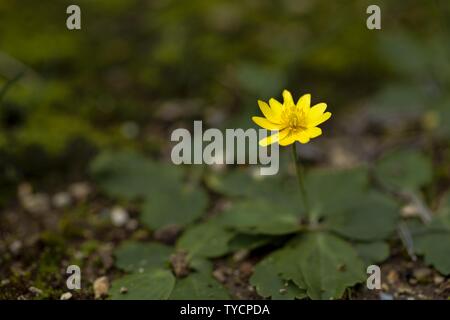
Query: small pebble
422	275
438	279
404	290
80	190
246	268
66	296
220	275
36	203
15	247
119	216
283	291
410	210
392	277
180	264
79	255
123	290
101	287
24	189
386	296
5	282
240	255
61	200
35	290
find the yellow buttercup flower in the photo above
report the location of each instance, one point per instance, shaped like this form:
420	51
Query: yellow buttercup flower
294	122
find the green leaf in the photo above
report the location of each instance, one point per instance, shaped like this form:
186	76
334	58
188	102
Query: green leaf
333	191
167	199
268	282
264	205
250	241
370	217
435	247
205	240
326	264
234	183
433	240
151	285
260	216
242	183
178	206
129	175
372	252
201	265
404	170
132	256
199	286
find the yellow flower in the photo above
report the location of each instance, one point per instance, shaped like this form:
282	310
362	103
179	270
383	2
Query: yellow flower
294	122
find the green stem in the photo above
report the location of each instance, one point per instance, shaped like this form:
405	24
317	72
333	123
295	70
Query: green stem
300	177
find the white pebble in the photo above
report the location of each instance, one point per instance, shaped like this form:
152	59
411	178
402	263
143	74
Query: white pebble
119	216
66	296
61	200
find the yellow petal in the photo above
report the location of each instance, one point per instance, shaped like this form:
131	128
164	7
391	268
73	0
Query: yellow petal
273	138
317	110
284	133
304	103
268	113
320	119
314	132
266	124
276	106
315	114
293	136
289	139
288	101
302	136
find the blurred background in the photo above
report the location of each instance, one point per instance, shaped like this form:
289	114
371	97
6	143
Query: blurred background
138	69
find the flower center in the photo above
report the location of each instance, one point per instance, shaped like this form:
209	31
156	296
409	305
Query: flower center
295	118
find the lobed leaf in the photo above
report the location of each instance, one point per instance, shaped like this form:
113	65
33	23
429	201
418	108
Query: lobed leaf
205	240
199	286
370	217
326	265
134	256
404	170
372	252
153	284
167	199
